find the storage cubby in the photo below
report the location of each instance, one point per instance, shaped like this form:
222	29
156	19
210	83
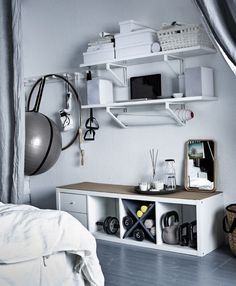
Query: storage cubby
98	201
101	208
131	207
186	214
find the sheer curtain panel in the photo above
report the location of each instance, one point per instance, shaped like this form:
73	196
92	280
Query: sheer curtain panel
12	110
220	19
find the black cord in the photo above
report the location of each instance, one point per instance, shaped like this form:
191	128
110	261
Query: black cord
41	81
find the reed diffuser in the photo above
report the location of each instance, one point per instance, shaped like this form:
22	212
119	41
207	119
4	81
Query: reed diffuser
153	155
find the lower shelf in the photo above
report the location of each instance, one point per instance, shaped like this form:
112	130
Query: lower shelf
147	244
104	236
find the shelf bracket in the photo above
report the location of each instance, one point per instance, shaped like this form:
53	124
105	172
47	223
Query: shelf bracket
166	107
173	114
121	81
167	60
108	110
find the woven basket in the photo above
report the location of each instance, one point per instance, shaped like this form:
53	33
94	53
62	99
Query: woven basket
229	225
183	36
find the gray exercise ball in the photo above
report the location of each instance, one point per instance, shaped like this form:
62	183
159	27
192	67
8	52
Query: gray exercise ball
43	143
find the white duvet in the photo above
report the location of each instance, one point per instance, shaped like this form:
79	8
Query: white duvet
28	233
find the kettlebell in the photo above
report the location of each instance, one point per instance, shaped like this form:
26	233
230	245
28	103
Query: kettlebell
170	225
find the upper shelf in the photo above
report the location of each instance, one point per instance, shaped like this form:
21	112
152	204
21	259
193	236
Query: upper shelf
182	100
154	57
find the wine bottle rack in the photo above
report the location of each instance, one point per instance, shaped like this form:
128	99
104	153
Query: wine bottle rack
131	207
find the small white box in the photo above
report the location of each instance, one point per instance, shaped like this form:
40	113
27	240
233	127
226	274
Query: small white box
141	49
99	91
199	82
99	56
135	38
100	47
130	25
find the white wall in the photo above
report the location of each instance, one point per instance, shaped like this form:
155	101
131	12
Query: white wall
56	32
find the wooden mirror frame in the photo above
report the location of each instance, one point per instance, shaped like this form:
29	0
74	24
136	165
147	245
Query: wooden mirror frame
186	179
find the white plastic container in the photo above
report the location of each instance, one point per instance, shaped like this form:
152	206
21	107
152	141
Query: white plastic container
134	38
99	56
130	25
99	91
199	82
141	49
100	47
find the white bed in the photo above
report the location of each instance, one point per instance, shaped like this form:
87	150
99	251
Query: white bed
46	248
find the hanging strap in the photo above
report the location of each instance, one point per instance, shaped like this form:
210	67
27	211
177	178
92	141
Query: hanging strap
226	227
91	122
39	95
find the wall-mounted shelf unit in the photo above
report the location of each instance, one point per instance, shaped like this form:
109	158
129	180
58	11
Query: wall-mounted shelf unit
92	202
182	100
153	57
166	104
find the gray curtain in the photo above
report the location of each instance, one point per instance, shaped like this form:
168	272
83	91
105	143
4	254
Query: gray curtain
220	19
12	128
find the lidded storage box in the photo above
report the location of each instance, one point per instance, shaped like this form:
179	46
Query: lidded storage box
99	56
134	43
130	26
144	36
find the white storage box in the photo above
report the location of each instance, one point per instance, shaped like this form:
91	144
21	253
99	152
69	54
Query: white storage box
135	38
100	47
99	91
99	56
199	82
130	26
141	49
176	37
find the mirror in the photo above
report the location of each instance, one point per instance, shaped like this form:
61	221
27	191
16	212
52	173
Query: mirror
200	165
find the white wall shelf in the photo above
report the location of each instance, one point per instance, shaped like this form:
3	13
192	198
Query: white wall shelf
166	103
146	118
153	57
92	202
127	103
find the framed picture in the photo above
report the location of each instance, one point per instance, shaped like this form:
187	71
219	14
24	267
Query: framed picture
196	150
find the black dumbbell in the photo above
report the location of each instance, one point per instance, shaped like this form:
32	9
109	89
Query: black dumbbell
184	233
110	225
193	234
139	234
128	222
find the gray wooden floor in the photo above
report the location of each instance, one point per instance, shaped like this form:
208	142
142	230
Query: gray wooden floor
125	265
